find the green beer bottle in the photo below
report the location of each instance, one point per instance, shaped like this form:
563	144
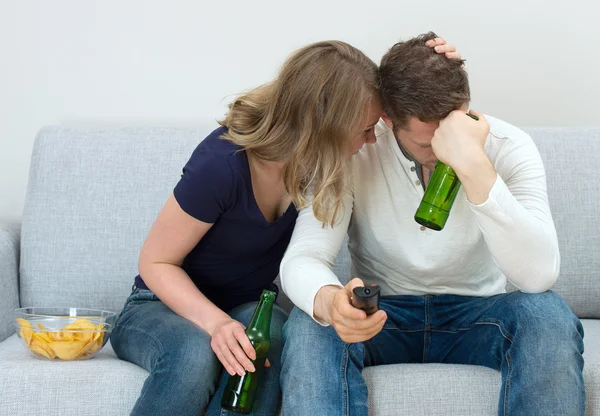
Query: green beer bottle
240	393
439	196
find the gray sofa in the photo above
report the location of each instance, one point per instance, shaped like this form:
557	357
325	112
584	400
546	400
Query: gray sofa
91	198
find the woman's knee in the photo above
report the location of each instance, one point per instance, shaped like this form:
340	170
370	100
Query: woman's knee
164	340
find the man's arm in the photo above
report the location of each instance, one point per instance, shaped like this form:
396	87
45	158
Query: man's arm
513	216
516	221
306	265
308	281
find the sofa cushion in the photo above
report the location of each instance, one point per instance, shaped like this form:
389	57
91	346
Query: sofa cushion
101	386
107	386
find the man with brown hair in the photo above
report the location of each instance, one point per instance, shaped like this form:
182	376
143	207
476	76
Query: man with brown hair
444	297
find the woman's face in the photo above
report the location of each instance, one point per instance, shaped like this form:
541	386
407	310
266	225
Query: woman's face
372	113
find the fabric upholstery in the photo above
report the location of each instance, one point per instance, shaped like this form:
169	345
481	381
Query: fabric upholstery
92	197
9	276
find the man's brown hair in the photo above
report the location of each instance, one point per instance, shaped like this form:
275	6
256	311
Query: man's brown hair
416	81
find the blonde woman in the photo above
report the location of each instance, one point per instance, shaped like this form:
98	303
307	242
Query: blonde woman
219	239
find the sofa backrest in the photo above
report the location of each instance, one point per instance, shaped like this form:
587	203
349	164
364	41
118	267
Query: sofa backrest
94	193
570	157
91	199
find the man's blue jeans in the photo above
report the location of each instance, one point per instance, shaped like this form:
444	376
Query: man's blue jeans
534	340
185	374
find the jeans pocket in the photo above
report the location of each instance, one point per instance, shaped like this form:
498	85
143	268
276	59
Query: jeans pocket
140	296
137	297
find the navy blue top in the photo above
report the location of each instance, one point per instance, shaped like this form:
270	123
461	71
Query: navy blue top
239	256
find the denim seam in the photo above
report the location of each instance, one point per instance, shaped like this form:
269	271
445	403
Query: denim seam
426	329
508	337
452	330
507	383
501	328
344	370
402	330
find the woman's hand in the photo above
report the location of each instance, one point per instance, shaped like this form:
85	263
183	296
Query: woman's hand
232	347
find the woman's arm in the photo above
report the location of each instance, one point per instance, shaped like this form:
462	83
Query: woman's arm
172	236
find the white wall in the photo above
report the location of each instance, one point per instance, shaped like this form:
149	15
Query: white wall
177	62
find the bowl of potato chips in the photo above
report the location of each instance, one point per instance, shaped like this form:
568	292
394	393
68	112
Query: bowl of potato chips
65	334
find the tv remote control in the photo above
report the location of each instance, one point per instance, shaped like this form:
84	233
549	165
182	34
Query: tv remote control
366	298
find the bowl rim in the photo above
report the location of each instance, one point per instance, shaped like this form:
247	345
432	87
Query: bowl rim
102	316
67	331
103	313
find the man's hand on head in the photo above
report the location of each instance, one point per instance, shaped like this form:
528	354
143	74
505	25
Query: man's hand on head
439	45
459	143
459	140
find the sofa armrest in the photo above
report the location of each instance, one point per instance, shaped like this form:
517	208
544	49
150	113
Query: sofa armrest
10	236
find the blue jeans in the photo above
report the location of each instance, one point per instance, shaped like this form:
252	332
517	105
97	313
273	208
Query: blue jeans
185	375
534	340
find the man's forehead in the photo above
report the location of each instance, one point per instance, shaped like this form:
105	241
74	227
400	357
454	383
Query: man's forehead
414	123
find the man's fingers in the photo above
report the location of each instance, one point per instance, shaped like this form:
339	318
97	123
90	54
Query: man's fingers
476	113
352	336
343	301
345	309
453	55
435	42
440	46
354	283
361	325
372	333
448	47
352	323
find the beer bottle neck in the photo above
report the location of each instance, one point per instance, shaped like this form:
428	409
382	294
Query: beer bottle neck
261	320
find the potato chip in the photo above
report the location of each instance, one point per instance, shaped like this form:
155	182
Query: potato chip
68	350
43	336
80	339
41	348
26	332
80	325
24	323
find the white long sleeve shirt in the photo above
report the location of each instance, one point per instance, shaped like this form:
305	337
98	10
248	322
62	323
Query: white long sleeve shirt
511	235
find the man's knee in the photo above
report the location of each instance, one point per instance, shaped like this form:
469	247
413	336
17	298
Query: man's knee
546	319
299	324
305	339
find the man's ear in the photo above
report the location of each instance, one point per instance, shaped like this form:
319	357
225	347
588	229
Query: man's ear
388	121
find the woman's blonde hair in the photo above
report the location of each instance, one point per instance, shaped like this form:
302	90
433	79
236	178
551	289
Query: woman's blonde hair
307	117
